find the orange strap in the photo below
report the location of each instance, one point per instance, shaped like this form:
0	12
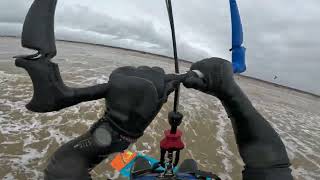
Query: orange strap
122	159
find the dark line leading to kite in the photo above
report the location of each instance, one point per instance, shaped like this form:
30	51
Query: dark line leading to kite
175	53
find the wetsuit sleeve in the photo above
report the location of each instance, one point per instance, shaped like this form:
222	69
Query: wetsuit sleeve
75	159
260	146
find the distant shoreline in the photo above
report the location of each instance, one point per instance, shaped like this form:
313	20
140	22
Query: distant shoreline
184	61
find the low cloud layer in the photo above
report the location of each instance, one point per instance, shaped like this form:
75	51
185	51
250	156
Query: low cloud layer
281	36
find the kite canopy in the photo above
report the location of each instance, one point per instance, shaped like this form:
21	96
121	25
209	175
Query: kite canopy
38	28
238	51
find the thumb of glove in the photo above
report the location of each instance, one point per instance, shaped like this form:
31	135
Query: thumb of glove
195	82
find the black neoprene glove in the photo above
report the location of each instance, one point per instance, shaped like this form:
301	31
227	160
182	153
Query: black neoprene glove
134	98
218	77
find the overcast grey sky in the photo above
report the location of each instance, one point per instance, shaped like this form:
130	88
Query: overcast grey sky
281	36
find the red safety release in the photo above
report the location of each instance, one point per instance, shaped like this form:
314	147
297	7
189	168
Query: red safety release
172	141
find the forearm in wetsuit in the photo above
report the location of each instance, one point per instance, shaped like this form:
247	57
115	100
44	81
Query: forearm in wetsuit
260	146
74	160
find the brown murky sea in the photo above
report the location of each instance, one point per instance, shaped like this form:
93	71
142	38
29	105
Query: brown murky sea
28	139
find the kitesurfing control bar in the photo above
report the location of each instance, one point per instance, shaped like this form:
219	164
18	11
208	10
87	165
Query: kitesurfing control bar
181	77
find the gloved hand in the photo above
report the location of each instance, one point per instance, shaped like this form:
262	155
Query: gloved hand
134	98
218	77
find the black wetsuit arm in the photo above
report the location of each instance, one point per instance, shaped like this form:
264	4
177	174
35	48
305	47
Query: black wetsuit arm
260	146
75	159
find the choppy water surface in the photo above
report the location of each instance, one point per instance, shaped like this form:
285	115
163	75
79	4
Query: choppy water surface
28	139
